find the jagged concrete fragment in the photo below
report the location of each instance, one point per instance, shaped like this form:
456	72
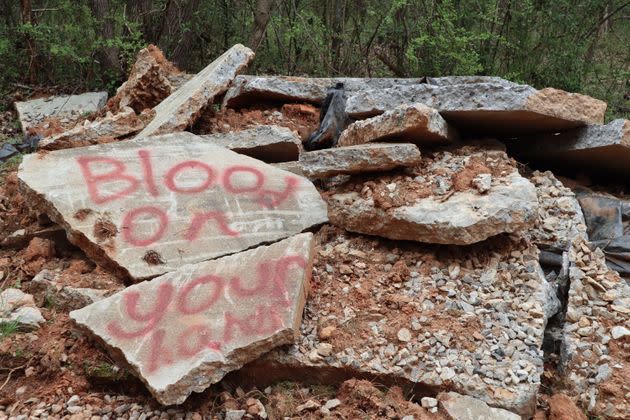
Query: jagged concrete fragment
183	331
475	320
35	111
355	159
45	286
560	219
594	365
147	206
462	80
414	123
405	209
251	89
19	307
107	128
601	149
463	407
152	79
269	143
487	108
180	109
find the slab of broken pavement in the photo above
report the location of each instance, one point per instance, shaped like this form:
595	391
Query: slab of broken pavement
416	252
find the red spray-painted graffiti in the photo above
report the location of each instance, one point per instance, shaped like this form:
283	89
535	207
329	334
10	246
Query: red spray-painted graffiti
247	181
183	311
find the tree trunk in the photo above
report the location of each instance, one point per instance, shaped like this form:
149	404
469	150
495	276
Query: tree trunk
338	23
26	12
107	56
139	11
180	15
262	14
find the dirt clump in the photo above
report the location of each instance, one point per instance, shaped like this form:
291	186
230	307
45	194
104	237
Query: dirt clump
301	118
362	398
561	407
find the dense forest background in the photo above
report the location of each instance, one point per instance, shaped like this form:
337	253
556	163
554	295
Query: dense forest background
579	46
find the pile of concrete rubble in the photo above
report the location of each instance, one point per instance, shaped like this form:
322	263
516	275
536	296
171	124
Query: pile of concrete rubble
417	251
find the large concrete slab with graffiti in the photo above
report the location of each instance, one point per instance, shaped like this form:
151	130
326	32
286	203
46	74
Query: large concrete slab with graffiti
183	331
148	206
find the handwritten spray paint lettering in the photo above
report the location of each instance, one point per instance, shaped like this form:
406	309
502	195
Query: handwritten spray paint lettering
173	319
241	180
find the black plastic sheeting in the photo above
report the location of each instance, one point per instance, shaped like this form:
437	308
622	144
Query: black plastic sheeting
608	227
29	144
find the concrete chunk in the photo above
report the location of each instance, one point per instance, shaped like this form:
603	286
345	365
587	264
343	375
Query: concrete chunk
414	123
180	109
355	159
107	128
151	80
250	89
269	143
492	352
35	111
147	206
602	149
591	362
463	407
435	209
487	108
183	331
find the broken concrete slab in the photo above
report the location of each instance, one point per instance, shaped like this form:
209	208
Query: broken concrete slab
487	108
362	158
560	218
45	286
599	149
435	209
463	407
33	112
105	129
269	143
415	123
250	89
147	206
183	331
593	364
475	320
462	80
180	109
150	81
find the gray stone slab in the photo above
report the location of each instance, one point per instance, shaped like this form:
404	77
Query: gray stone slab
269	143
402	208
181	108
487	108
463	407
35	111
147	206
415	123
462	80
601	149
108	128
362	158
183	331
251	89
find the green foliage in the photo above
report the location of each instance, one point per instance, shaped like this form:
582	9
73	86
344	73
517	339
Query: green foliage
8	328
575	46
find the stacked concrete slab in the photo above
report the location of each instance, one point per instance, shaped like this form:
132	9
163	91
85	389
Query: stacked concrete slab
212	230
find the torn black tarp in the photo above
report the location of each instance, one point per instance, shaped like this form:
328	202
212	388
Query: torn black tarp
608	227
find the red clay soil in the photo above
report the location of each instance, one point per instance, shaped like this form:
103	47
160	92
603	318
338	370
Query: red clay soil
301	118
